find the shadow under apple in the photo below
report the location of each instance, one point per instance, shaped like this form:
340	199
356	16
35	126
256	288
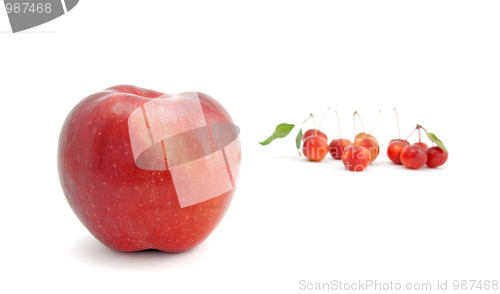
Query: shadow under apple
90	251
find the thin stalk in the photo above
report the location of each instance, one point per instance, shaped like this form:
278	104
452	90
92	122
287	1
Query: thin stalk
379	111
304	120
397	120
315	130
319	127
411	133
359	120
338	123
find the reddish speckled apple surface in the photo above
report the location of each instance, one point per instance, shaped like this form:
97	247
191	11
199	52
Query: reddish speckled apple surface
130	186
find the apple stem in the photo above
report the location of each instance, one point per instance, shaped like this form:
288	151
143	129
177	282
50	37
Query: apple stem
305	120
338	123
379	111
319	127
315	130
355	112
421	127
354	123
411	133
397	120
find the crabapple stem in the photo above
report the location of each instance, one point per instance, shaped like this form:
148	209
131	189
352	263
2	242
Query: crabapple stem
315	130
355	112
421	127
411	133
305	120
338	123
319	127
354	122
397	120
376	121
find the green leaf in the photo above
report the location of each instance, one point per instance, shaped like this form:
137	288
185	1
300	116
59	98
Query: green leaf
298	140
282	130
434	139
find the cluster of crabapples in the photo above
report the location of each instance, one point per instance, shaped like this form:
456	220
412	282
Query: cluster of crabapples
359	154
416	155
356	155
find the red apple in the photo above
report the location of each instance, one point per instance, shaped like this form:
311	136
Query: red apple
436	157
370	143
315	148
147	170
356	158
395	148
337	147
414	156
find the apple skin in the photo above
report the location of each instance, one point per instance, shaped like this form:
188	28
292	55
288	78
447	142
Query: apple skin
421	144
395	148
313	133
414	156
337	147
363	135
399	140
123	206
315	148
436	157
370	143
356	158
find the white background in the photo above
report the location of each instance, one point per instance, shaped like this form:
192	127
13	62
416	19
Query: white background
267	62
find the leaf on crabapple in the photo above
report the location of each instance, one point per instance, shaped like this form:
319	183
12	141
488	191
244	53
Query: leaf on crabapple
282	130
298	140
434	139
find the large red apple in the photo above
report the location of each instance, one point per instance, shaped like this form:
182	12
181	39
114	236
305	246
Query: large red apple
147	170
